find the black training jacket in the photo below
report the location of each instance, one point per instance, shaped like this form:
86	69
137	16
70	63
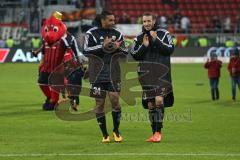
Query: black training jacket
103	66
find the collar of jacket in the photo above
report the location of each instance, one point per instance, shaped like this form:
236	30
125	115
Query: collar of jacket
155	27
106	29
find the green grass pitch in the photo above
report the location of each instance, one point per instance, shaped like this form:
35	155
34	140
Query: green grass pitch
195	128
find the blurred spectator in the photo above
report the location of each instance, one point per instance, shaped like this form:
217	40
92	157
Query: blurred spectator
162	21
170	20
125	19
217	25
77	3
10	42
35	42
22	16
184	42
139	20
229	43
185	24
24	3
34	20
171	29
214	66
174	39
237	30
177	19
208	26
88	3
33	3
2	43
202	41
234	70
227	25
173	3
133	20
170	24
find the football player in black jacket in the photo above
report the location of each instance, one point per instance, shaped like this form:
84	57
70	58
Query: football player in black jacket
102	45
152	48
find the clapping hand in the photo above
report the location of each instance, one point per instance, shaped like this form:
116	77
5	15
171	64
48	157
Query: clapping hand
145	40
154	35
110	45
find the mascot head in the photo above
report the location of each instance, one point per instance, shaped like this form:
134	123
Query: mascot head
53	28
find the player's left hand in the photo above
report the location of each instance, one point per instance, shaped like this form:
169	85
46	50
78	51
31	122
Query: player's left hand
112	46
154	35
159	100
34	53
106	42
117	44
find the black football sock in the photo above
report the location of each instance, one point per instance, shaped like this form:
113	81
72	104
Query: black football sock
74	99
116	116
213	94
151	116
102	123
217	93
159	115
77	100
47	100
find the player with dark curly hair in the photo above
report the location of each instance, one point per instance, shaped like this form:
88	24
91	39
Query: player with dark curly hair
103	47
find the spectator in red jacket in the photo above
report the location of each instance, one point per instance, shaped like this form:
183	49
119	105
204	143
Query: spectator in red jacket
234	70
214	65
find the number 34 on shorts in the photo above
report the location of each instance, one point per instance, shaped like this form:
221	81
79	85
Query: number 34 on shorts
97	91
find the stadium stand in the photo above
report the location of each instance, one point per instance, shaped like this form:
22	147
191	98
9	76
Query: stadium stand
13	22
202	16
197	10
21	19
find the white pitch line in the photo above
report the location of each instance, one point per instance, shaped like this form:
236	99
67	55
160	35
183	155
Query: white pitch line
120	154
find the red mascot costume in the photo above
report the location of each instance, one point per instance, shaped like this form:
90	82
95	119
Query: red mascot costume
56	43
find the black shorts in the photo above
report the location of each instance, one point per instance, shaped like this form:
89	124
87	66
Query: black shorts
168	100
99	90
150	92
43	78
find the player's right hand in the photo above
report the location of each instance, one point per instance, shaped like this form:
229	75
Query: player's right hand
145	40
34	53
109	45
106	42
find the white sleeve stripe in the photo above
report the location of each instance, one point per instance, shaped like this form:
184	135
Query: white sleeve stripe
93	37
72	37
75	45
163	30
92	48
135	51
65	41
85	42
120	37
79	53
168	45
94	28
164	36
